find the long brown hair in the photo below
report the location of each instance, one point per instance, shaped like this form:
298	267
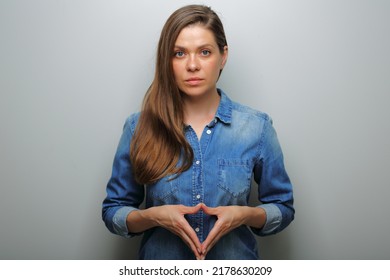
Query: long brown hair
159	147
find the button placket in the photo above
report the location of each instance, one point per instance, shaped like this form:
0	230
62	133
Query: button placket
197	179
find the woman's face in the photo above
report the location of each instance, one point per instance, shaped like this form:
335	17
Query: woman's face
197	61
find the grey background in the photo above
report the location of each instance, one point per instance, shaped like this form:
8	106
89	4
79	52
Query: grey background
72	71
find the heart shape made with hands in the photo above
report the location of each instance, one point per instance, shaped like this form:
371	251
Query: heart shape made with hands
228	218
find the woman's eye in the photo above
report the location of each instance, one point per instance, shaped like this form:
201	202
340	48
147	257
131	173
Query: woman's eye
179	54
205	52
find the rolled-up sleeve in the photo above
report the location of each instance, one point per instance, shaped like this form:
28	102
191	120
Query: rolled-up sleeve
275	191
123	193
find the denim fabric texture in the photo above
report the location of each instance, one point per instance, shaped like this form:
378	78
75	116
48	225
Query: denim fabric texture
238	147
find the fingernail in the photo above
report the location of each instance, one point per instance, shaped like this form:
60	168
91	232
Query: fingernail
199	250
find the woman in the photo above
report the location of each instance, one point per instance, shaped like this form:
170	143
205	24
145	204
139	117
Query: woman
194	152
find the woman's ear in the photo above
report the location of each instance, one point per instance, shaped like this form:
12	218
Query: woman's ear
224	56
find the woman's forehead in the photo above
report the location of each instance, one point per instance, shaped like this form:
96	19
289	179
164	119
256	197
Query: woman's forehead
195	36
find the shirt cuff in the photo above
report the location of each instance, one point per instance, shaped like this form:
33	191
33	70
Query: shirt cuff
119	221
274	219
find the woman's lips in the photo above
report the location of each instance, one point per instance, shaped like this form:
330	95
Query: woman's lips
194	81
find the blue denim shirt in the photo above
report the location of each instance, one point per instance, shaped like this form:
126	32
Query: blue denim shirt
238	145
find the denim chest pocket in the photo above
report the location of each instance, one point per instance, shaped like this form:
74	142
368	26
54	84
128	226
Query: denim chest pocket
234	176
162	192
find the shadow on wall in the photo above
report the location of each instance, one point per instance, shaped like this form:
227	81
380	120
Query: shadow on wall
126	249
275	247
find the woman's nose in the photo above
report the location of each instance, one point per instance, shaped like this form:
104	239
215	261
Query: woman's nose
192	63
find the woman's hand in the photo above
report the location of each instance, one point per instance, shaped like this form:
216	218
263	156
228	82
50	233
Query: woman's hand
229	218
170	217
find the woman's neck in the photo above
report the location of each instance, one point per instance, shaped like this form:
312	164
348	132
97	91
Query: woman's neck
200	111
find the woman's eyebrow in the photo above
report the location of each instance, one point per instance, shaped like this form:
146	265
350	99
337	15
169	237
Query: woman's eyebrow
199	47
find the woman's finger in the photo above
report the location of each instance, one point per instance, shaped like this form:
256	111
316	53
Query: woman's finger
175	222
209	210
189	231
190	243
192	209
212	238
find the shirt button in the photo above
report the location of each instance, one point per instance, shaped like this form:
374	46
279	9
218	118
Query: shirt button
197	229
208	131
198	196
197	162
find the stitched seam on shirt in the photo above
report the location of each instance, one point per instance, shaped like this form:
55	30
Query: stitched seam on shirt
262	137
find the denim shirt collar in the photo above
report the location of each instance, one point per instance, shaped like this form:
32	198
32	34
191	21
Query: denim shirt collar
224	111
